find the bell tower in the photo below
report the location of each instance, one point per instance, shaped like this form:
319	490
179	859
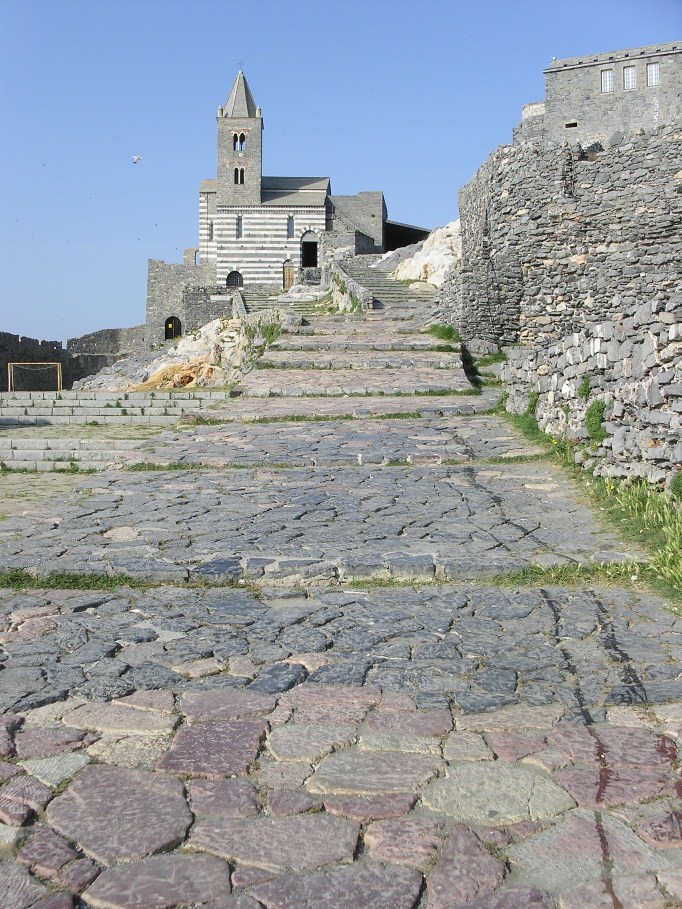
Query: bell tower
240	148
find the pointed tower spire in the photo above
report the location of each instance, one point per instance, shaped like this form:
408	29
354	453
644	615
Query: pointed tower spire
240	130
240	102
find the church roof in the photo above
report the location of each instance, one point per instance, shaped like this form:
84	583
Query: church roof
240	102
286	191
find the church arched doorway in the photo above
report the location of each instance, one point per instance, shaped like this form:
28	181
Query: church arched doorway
235	279
173	328
309	250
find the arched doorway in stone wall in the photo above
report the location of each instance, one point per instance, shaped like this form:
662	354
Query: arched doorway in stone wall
235	279
173	328
309	250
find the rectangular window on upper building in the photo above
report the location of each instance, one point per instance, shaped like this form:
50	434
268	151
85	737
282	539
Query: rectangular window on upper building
607	80
653	74
629	77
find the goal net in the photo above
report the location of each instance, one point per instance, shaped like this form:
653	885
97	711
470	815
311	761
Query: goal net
34	376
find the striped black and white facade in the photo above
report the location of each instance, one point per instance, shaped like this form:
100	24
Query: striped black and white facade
256	240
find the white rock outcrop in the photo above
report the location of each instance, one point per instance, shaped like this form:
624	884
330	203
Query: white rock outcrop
441	250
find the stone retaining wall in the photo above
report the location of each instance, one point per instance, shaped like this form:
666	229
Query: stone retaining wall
347	294
554	237
630	363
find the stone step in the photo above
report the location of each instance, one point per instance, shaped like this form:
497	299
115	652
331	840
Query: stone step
59	446
111	400
296	383
248	409
65	466
79	418
322	343
88	409
360	360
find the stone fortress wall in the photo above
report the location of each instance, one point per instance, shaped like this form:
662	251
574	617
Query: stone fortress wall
573	254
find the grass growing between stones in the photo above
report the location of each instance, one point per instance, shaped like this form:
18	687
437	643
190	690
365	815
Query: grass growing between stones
429	393
328	418
570	575
444	332
141	466
19	579
639	513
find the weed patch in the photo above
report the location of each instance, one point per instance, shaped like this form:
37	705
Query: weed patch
444	332
594	421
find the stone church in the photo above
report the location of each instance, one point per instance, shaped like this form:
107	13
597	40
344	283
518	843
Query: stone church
260	233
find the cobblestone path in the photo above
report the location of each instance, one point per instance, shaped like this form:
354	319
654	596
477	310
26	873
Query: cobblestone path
354	712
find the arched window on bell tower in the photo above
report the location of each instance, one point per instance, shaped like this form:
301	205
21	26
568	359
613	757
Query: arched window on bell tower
240	227
235	142
236	176
242	142
241	176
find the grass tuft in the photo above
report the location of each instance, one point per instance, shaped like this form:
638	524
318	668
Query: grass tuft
444	332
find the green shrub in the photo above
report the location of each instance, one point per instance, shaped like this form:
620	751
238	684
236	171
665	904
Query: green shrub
676	486
594	421
533	399
584	388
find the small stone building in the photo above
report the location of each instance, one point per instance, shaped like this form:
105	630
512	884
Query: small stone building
258	232
593	98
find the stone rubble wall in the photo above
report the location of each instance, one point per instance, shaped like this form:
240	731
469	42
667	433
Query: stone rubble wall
575	255
632	364
109	341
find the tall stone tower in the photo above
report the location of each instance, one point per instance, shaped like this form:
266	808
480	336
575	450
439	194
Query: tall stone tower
240	148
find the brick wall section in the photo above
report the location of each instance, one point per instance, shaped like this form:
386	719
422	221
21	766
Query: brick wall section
199	308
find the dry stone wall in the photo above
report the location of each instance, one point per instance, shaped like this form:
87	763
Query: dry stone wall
630	367
575	255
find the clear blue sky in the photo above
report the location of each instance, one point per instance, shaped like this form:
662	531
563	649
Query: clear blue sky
409	98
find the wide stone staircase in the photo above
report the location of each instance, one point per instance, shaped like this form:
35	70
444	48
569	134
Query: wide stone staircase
76	429
384	350
375	363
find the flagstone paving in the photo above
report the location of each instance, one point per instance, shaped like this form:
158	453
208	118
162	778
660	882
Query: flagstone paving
283	738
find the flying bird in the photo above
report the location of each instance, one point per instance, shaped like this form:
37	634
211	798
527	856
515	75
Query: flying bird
136	158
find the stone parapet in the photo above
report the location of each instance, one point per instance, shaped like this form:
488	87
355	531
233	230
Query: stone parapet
347	293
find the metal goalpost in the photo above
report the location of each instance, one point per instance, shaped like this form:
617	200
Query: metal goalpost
41	376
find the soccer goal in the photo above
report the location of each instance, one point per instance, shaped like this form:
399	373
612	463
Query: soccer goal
34	376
